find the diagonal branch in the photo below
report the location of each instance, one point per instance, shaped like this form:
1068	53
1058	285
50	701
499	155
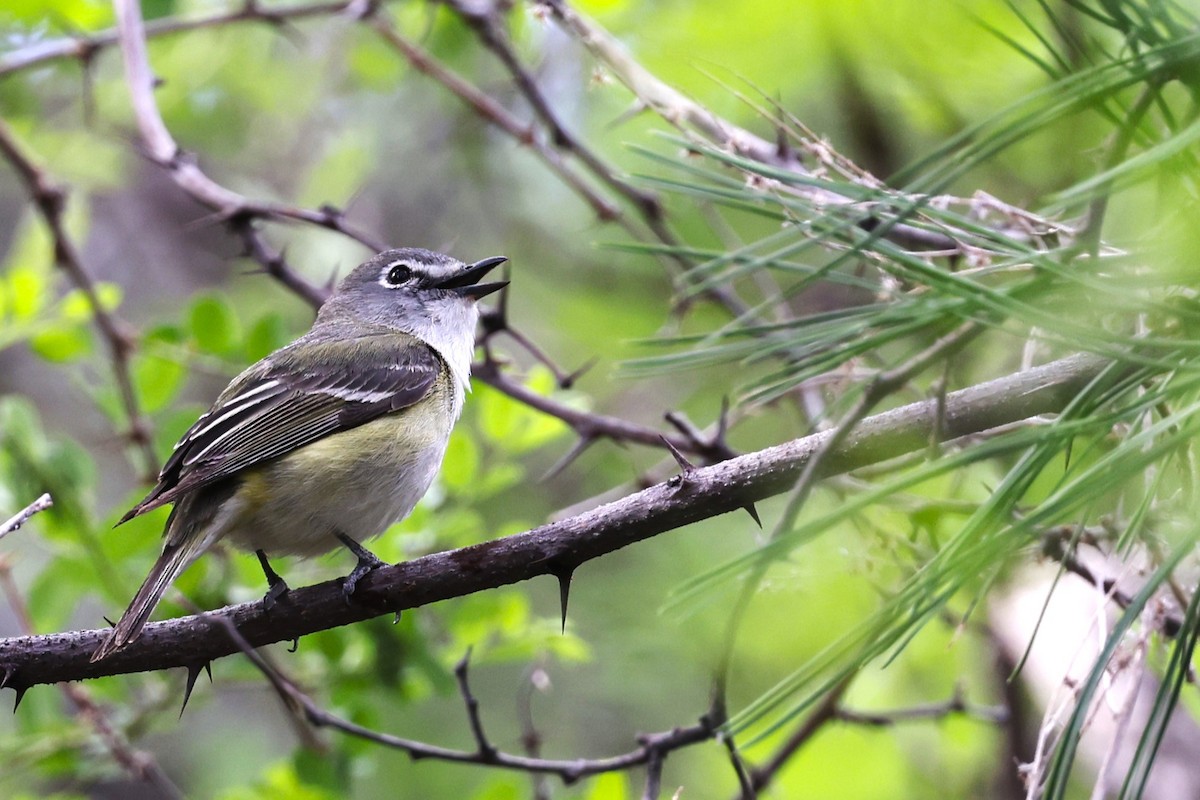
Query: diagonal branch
85	47
15	522
558	546
163	150
50	201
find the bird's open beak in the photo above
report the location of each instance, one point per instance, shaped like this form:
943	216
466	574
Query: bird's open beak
466	283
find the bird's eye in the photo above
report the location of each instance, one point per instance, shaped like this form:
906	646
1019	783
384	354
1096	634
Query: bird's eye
398	274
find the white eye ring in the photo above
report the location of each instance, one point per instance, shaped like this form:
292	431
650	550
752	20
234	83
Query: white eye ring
398	273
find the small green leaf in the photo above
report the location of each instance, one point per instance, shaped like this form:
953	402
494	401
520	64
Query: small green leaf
75	306
373	64
28	288
157	380
267	335
609	786
502	787
61	345
213	324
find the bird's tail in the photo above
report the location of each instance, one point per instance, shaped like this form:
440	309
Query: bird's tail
174	558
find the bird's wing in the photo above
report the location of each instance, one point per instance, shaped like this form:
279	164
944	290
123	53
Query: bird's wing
303	393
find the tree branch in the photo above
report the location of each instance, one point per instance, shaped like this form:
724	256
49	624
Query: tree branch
558	547
51	200
162	149
21	517
85	47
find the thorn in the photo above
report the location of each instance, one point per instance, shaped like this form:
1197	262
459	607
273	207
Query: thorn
20	690
634	110
464	663
396	619
753	512
9	673
193	672
684	464
492	320
783	149
111	624
502	303
585	441
568	380
296	642
564	592
722	421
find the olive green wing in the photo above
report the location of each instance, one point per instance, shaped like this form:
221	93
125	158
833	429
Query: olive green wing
302	393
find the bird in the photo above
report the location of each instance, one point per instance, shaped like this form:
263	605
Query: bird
330	439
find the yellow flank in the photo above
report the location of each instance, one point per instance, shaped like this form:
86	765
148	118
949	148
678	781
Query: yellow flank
356	482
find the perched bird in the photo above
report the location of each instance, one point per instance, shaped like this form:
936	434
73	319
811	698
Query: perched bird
330	439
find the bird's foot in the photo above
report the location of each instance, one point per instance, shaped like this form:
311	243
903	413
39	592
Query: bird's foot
277	587
367	562
277	591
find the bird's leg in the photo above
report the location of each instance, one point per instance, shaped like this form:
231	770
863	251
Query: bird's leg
277	586
367	561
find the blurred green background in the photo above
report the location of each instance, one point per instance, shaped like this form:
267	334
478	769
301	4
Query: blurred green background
322	111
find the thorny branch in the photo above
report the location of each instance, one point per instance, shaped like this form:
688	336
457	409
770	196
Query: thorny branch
162	149
881	386
651	746
559	547
652	750
138	764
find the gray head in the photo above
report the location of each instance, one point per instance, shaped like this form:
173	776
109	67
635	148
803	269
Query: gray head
429	295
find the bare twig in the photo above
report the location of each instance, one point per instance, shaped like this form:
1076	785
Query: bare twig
21	517
824	712
491	111
651	746
162	149
138	764
275	265
85	47
486	750
587	425
118	335
957	705
483	18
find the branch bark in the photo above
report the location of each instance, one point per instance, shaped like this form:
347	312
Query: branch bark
559	547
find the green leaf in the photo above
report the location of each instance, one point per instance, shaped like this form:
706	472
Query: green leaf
27	287
61	345
267	335
76	307
515	426
213	324
278	782
609	786
157	380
